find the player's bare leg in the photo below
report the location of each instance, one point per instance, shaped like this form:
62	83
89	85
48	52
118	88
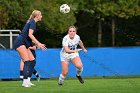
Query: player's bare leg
64	72
77	62
23	52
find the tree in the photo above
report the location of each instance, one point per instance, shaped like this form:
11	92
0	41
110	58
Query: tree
112	9
15	13
95	8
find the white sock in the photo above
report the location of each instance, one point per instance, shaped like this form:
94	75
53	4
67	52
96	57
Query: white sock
79	71
25	81
36	74
21	77
61	77
29	78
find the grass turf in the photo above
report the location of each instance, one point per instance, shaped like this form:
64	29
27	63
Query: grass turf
130	85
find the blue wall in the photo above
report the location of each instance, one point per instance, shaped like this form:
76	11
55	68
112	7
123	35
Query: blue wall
97	62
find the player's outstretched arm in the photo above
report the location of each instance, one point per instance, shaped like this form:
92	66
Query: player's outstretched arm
82	46
42	46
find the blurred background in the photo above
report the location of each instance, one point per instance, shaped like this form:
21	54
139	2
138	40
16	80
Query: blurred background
100	23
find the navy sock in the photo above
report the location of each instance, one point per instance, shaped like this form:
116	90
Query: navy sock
26	69
32	64
21	73
35	73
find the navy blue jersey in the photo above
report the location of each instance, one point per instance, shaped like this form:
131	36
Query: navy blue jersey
23	38
29	25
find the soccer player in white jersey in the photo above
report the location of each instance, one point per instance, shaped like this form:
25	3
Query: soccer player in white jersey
69	53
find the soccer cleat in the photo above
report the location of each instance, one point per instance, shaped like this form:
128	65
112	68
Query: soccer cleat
38	78
31	84
60	82
26	85
80	79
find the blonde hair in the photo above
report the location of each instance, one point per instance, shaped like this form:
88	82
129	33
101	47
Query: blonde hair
34	14
72	27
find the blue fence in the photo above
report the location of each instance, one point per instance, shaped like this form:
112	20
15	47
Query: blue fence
97	62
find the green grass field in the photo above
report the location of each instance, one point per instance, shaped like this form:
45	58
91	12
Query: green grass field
130	85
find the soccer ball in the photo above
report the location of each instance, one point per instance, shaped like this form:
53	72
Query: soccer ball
64	8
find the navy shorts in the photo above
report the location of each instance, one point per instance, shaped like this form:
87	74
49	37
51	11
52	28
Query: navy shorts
21	41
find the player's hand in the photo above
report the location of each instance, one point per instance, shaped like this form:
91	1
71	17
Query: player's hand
85	50
32	47
42	46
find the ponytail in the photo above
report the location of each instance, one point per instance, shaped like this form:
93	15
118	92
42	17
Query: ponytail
34	14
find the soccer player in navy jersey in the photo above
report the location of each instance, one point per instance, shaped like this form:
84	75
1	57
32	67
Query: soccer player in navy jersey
32	48
24	41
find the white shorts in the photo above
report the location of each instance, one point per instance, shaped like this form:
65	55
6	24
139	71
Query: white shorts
68	57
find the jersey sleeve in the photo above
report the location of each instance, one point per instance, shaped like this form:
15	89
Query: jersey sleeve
65	42
32	25
78	38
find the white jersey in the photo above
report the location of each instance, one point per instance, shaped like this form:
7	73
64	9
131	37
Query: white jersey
72	45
